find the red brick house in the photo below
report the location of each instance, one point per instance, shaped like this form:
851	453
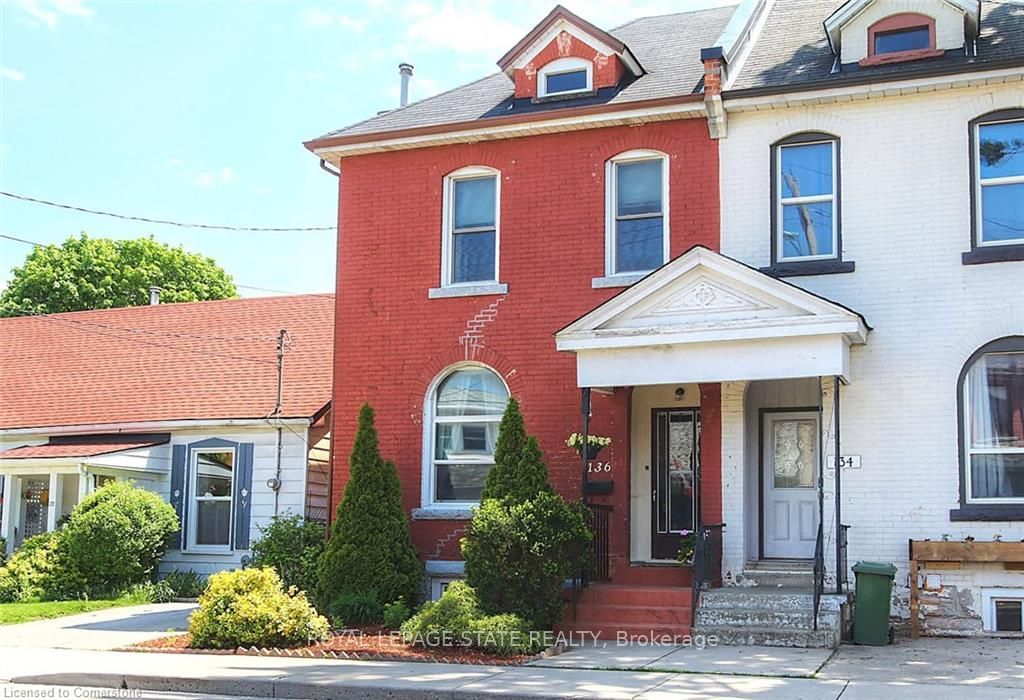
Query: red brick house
514	206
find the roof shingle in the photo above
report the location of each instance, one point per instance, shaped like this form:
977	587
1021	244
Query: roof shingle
206	360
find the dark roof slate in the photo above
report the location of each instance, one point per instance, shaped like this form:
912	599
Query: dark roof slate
667	46
792	50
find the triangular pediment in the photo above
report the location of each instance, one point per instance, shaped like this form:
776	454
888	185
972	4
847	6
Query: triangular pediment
703	294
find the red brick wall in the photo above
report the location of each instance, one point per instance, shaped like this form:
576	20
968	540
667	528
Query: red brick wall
391	340
606	72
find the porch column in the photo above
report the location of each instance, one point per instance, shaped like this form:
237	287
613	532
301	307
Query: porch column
584	457
52	500
10	504
838	502
83	482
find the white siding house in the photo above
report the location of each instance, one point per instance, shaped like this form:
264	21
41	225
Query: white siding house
227	473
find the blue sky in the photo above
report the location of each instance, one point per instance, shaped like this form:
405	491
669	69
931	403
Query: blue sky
196	111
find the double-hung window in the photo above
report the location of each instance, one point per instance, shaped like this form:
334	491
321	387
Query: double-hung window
806	212
466	409
637	205
993	420
470	251
999	187
212	489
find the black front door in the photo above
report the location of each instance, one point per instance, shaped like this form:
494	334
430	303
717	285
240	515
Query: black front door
675	444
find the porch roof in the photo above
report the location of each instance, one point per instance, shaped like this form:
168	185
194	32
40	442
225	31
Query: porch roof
85	446
706	317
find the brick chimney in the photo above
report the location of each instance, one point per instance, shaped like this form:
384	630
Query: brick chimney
714	68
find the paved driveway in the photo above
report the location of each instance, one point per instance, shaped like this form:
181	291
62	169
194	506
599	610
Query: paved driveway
100	630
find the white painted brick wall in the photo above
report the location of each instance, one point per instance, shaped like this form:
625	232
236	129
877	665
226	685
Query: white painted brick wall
905	221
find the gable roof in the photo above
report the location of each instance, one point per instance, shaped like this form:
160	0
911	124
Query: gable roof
200	361
557	15
704	296
667	46
792	51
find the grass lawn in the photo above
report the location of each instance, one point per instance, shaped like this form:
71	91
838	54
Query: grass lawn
11	613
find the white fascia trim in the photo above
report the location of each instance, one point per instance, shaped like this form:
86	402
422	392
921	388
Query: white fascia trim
872	90
759	329
153	426
19	466
737	42
683	110
531	51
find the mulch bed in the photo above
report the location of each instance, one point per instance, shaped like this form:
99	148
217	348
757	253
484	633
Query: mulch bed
362	644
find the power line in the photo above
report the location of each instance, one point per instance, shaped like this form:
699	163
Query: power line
165	222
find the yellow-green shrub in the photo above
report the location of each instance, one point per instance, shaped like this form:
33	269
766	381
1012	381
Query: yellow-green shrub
249	607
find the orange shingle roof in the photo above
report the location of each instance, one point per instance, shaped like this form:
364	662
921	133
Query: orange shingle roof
206	360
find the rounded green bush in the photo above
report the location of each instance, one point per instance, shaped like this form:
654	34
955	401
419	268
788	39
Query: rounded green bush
504	634
450	616
519	555
36	570
293	547
249	607
116	536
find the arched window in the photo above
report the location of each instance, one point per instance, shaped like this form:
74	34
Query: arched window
565	76
992	423
464	410
997	167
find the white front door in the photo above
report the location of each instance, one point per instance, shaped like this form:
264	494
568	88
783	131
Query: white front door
790	505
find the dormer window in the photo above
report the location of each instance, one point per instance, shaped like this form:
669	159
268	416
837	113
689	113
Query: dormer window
909	39
565	76
903	37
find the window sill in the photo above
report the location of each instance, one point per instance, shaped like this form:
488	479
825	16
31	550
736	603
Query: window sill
468	290
562	96
810	267
443	513
622	280
994	254
900	57
213	551
976	511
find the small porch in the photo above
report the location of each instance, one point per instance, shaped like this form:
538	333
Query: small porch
42	484
731	382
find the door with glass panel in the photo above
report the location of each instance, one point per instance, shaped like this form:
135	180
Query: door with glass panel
790	501
675	444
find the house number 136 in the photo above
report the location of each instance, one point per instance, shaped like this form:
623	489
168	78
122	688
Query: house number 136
599	467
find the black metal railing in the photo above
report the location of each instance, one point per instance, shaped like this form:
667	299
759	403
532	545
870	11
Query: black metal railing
707	562
819	570
595	562
842	563
600	556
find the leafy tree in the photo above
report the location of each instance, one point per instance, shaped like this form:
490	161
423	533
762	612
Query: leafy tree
99	273
369	549
519	472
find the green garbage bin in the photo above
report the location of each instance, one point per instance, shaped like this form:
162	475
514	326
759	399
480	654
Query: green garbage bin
871	602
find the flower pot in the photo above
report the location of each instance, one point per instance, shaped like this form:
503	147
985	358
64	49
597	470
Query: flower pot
592	451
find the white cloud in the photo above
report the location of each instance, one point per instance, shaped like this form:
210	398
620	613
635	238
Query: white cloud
175	162
464	28
315	17
49	12
210	178
11	73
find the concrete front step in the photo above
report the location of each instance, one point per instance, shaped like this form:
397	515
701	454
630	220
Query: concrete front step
770	636
762	598
759	617
634	614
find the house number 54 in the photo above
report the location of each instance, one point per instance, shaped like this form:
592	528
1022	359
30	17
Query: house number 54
599	467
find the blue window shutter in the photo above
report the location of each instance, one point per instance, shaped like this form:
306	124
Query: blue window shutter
178	499
243	496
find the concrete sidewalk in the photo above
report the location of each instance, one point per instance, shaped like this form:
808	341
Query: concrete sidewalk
103	629
316	678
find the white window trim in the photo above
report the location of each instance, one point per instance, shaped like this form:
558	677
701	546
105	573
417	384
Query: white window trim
564	65
611	204
429	417
193	509
971	451
437	584
448	224
989	596
781	202
980	182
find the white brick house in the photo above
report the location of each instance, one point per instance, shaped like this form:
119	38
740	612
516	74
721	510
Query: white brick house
901	147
